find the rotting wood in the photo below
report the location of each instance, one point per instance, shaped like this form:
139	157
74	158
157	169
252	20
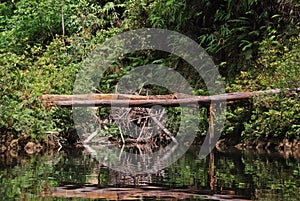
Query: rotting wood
171	100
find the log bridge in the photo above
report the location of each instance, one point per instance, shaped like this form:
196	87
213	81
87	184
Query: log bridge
172	100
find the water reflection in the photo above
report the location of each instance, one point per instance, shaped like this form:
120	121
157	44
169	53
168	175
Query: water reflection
220	176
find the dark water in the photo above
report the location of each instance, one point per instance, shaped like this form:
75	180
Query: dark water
75	175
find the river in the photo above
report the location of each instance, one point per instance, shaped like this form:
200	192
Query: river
76	175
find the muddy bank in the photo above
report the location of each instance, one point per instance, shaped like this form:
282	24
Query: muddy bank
286	148
25	144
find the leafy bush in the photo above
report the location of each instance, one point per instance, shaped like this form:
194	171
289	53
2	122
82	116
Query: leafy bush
273	115
21	111
232	34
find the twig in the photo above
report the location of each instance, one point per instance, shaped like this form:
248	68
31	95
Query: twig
90	137
162	127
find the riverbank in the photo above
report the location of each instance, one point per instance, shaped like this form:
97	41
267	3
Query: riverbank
286	148
25	145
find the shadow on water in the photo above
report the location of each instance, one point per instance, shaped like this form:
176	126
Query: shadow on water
74	174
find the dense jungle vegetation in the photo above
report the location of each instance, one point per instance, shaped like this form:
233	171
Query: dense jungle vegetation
256	45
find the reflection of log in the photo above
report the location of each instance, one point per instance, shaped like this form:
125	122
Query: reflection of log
211	155
211	172
85	100
118	193
153	192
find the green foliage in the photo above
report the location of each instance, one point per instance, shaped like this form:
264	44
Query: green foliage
237	115
36	58
36	61
23	80
6	11
233	33
170	14
19	110
166	14
273	115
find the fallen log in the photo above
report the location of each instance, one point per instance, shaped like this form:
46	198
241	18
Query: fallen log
171	100
55	97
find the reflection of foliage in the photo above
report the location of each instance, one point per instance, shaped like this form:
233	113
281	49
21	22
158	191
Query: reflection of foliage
34	179
74	168
254	176
27	180
271	179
